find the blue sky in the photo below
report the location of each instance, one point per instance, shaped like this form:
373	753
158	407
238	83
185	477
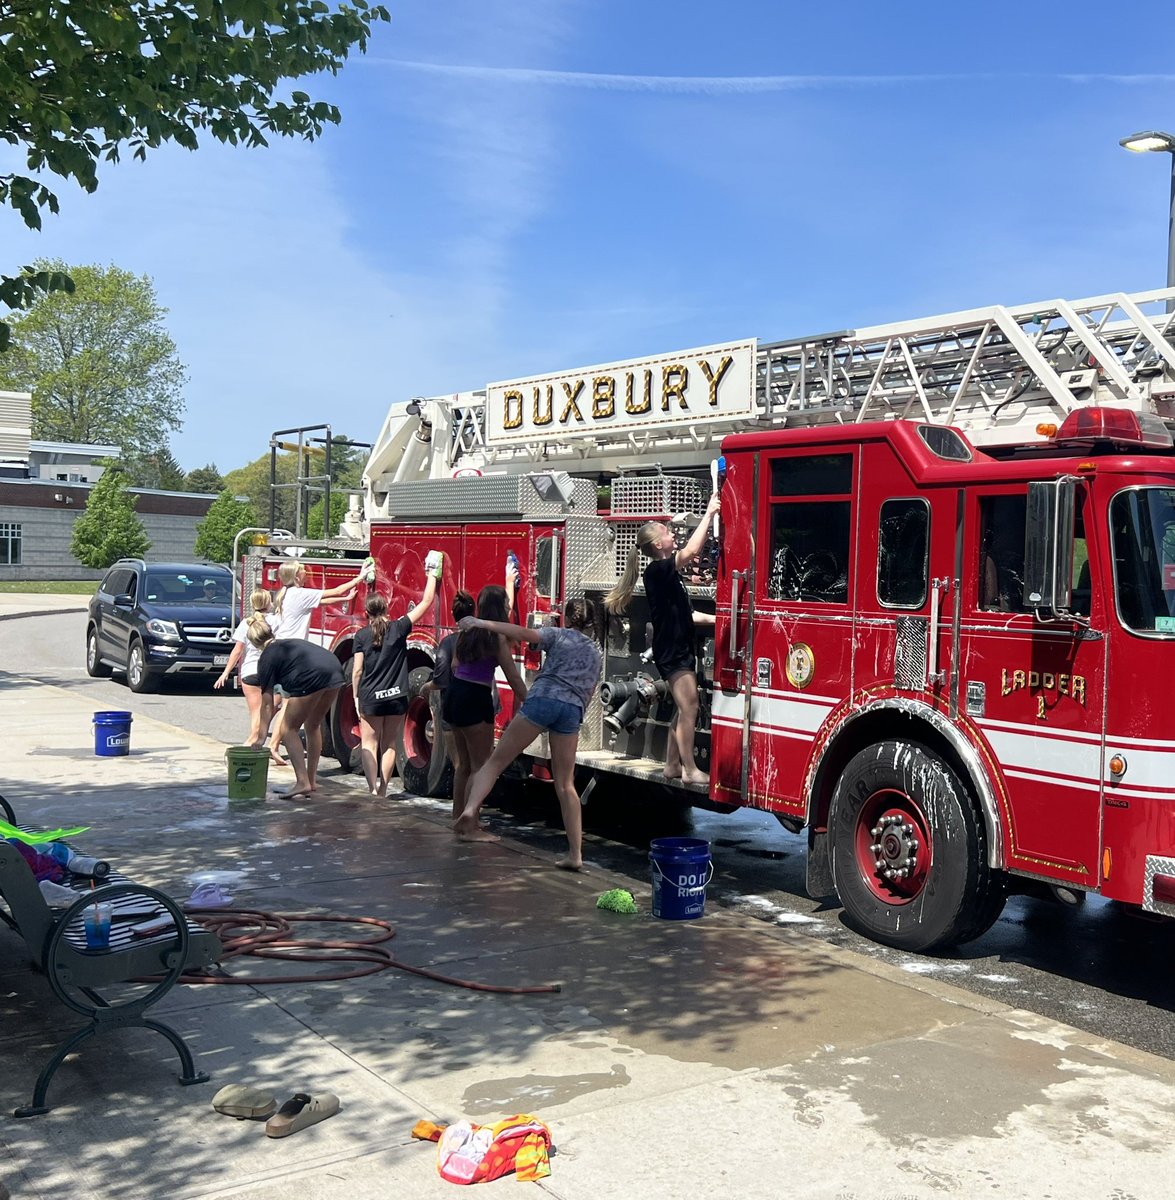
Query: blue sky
545	184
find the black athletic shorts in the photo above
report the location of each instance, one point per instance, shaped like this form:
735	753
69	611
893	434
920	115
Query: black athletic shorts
677	664
468	704
382	708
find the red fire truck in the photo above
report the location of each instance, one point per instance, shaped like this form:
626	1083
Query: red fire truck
944	584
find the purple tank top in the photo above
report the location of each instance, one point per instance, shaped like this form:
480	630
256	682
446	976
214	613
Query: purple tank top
481	671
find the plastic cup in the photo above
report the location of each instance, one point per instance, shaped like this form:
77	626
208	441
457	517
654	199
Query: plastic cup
97	918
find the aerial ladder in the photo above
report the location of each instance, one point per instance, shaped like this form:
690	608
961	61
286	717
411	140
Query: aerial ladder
1001	374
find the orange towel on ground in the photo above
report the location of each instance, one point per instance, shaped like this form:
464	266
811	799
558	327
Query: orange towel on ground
471	1153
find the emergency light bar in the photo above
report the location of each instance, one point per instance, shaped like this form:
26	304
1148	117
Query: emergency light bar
1122	426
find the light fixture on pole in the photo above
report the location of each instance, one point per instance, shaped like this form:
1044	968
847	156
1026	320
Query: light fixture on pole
1164	143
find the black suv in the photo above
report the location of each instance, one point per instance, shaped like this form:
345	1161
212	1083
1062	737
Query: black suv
153	619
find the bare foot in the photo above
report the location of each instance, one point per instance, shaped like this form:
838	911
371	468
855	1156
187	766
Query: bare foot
674	775
471	831
477	835
696	777
568	864
293	794
275	761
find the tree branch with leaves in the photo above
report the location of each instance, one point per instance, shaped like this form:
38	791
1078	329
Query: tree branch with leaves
84	81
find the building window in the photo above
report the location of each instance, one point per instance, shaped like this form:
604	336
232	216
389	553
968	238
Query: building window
9	544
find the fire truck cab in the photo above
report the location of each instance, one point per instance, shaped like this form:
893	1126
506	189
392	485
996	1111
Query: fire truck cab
936	657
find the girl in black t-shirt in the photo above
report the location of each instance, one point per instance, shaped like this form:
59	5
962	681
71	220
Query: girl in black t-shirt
309	675
380	683
673	623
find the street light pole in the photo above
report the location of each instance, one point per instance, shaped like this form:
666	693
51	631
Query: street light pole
1164	143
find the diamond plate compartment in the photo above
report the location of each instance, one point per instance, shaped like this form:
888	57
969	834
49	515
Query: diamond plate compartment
909	668
1157	866
488	496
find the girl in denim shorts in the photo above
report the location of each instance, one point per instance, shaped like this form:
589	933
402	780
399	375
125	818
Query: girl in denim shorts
555	704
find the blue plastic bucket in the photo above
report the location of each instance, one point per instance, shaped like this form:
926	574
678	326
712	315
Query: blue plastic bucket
112	734
681	870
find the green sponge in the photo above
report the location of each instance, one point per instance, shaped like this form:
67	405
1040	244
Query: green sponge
617	900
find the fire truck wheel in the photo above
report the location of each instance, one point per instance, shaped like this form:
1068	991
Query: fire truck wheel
424	762
909	852
343	726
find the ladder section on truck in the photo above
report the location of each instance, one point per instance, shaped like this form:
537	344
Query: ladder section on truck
995	372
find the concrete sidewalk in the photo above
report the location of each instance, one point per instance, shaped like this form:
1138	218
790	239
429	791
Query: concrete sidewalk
719	1057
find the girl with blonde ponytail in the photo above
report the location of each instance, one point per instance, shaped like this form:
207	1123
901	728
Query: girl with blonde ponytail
262	625
294	604
673	622
648	538
295	601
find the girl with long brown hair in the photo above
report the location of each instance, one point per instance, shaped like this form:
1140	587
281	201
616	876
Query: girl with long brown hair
379	681
555	705
468	706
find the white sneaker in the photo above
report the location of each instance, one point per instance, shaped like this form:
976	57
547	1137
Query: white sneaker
57	896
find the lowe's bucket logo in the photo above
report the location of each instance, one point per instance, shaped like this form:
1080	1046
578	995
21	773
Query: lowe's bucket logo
119	739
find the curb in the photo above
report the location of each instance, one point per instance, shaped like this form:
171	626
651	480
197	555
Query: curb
39	612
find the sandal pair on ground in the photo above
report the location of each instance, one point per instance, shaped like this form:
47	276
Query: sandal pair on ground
256	1104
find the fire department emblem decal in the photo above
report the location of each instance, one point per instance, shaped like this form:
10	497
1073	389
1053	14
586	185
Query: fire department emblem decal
801	665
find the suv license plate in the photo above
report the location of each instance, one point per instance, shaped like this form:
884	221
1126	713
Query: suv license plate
220	660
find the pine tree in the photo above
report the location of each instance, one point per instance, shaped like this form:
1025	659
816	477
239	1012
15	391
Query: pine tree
205	479
109	529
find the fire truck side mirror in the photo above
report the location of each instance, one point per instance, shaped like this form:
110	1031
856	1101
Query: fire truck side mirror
1048	545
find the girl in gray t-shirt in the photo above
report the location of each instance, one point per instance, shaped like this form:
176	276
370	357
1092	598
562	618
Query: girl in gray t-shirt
555	704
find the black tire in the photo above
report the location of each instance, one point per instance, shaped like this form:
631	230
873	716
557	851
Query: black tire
139	677
343	720
95	667
900	805
425	768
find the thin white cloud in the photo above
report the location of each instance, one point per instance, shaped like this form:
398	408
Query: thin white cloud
717	85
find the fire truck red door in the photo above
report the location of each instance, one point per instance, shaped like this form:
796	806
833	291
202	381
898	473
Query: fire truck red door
797	600
1034	690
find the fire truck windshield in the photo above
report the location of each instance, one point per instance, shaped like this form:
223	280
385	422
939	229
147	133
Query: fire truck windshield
1142	525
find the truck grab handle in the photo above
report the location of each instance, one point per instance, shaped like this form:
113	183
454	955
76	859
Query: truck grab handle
736	577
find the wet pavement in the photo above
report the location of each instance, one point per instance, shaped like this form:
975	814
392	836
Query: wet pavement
723	1055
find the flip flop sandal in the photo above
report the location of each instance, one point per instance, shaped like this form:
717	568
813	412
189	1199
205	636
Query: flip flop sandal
210	895
300	1110
244	1102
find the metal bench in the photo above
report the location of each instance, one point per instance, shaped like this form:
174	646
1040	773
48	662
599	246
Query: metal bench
79	976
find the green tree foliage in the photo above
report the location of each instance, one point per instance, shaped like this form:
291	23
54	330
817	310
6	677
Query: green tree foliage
98	362
84	81
253	481
109	529
204	479
226	518
338	510
156	470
